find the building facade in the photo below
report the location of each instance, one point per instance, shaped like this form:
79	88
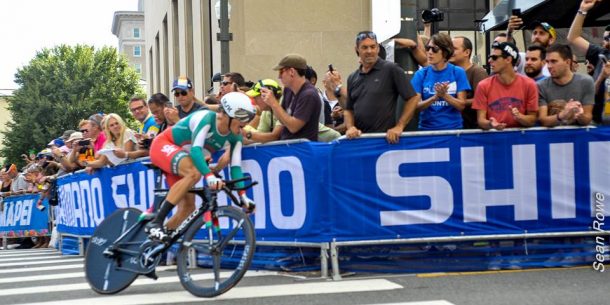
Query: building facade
129	28
181	37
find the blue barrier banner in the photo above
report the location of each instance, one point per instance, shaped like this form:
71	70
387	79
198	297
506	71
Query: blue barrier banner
367	189
19	216
468	184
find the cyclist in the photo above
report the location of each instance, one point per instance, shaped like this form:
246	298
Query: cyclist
181	152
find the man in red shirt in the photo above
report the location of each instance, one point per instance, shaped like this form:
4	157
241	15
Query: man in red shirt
505	99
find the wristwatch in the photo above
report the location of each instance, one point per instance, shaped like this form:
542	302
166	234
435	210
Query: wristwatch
582	13
337	91
248	135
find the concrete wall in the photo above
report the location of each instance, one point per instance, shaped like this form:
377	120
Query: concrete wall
263	32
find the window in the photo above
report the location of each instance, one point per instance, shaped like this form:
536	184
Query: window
138	68
136	32
137	51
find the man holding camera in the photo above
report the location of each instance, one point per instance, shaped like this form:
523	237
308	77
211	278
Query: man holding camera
371	93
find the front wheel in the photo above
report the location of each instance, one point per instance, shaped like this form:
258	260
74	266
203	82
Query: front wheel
108	275
211	261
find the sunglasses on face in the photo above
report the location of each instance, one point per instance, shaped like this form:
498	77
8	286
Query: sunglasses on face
607	38
179	93
84	130
225	83
434	49
494	57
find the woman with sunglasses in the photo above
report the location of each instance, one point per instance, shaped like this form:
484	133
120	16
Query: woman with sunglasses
442	87
182	151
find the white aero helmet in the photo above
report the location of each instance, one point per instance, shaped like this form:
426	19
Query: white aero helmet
238	106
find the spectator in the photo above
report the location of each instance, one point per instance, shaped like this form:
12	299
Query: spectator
312	77
120	139
462	53
157	104
575	64
300	108
336	113
93	131
534	62
231	82
183	92
18	184
66	159
140	111
594	54
372	91
505	99
564	84
441	86
543	34
5	186
520	65
269	127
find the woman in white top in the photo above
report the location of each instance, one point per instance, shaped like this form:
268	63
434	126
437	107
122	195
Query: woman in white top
118	137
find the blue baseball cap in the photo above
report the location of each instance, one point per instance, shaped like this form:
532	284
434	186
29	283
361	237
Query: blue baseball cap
182	83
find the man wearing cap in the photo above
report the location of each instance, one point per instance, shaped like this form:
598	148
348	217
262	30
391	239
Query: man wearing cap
543	34
269	127
575	88
598	56
183	92
65	157
507	98
300	108
372	91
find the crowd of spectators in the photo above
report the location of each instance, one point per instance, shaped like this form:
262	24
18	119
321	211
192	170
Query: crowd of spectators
539	87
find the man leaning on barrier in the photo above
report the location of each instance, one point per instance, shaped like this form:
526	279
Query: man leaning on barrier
507	98
372	91
575	88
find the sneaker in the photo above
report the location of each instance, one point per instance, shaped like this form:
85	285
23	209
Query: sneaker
156	232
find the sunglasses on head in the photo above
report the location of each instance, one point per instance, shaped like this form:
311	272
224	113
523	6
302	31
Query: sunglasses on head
434	49
366	34
494	57
178	93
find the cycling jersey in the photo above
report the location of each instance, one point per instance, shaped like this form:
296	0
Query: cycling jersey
196	135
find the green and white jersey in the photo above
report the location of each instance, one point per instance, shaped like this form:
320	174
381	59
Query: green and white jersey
199	134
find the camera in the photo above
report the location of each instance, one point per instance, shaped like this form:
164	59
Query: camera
145	143
433	15
84	142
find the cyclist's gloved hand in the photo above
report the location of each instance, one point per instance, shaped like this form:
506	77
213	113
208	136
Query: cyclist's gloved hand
246	203
214	182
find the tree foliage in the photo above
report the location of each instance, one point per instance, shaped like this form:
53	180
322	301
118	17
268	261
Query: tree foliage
61	86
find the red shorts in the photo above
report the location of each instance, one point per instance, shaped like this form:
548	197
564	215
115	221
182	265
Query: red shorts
166	155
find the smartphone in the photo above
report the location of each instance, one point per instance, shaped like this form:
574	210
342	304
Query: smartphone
330	68
516	12
603	58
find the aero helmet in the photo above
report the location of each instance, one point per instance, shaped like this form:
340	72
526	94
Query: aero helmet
238	106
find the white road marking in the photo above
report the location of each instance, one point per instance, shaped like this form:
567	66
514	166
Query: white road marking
139	282
242	293
439	302
64	267
44	262
32	258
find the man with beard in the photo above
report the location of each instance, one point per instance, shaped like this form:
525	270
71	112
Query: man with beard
534	61
575	88
595	54
543	34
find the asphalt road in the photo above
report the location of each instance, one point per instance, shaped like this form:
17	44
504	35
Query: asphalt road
46	277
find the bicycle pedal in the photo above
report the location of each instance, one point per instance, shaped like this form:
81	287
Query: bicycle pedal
152	275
